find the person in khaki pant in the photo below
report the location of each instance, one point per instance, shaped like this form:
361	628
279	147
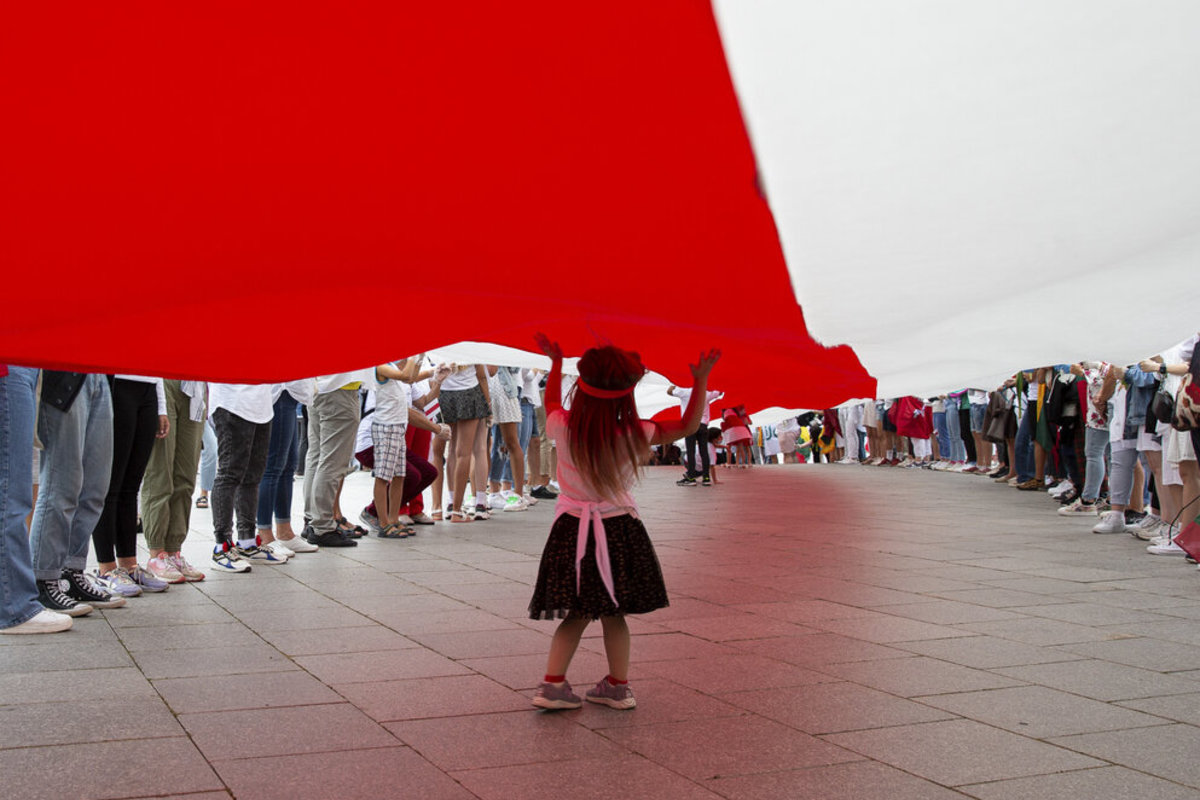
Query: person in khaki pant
170	481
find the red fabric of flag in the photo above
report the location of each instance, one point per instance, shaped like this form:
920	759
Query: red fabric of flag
257	191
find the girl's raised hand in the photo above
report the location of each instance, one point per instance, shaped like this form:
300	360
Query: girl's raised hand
707	362
548	347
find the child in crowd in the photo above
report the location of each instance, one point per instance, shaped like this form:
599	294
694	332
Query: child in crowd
389	425
598	562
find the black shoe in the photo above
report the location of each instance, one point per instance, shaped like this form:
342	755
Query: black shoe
80	589
706	481
1133	517
307	533
52	596
542	493
686	480
330	539
1069	497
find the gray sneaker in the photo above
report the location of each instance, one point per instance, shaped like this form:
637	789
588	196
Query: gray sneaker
147	580
555	697
619	696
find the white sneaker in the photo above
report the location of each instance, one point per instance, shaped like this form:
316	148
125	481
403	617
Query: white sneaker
297	544
404	519
1078	508
496	501
260	555
422	519
1063	488
280	549
1110	522
45	621
1166	549
1149	528
518	504
228	561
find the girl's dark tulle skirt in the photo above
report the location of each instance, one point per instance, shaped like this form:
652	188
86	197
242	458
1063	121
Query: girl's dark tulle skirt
637	577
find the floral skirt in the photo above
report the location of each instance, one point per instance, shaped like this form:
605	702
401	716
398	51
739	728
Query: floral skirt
637	577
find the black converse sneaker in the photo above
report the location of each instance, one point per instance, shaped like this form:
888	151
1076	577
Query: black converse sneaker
83	590
53	596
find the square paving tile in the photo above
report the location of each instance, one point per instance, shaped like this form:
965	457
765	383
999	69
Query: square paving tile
706	749
1036	631
1102	680
322	641
1154	654
1040	712
834	707
732	673
858	780
888	629
1168	752
1084	783
211	661
116	684
986	652
222	735
106	769
35	724
421	698
354	775
914	677
485	644
814	650
498	740
381	665
1179	707
740	627
62	653
949	752
270	690
625	777
174	637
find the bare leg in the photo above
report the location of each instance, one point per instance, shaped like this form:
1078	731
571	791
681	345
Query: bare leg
1168	496
1190	472
516	456
439	463
462	439
480	451
535	460
1137	497
382	508
616	646
564	644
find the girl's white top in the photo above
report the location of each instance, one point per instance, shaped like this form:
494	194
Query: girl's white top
578	498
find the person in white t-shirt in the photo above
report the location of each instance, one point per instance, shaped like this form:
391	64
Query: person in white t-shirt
697	440
389	424
241	415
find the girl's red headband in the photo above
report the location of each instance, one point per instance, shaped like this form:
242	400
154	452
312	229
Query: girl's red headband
605	394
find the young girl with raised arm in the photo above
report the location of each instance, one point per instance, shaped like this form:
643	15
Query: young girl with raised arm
598	562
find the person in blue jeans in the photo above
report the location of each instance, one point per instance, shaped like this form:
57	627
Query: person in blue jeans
75	426
20	611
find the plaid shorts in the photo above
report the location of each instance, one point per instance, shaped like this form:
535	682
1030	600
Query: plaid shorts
390	454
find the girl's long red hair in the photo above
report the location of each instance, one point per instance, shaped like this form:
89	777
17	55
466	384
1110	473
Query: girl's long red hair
605	436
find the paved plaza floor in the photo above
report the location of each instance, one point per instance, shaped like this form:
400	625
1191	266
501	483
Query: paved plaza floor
834	632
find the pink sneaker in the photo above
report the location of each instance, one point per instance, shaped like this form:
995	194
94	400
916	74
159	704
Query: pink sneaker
164	570
181	564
